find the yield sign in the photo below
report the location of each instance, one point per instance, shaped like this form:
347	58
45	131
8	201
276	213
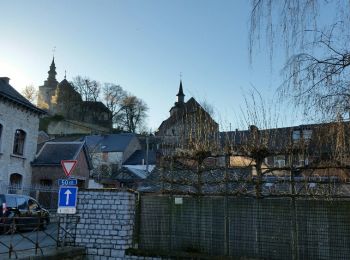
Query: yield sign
68	166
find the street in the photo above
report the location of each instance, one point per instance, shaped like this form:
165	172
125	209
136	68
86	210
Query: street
25	240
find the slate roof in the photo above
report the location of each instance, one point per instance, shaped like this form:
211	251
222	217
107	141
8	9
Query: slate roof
191	106
9	93
96	105
61	139
109	143
53	152
65	84
139	158
131	174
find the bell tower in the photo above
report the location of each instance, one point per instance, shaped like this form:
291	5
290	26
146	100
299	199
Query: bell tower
48	89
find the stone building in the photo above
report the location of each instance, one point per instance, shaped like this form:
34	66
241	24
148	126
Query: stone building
19	124
110	152
47	167
62	99
189	126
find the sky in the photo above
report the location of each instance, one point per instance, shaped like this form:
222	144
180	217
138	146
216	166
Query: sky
143	46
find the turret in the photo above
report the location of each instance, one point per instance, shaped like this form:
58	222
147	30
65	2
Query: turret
180	95
180	100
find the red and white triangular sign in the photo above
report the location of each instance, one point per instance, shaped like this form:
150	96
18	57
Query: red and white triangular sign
68	166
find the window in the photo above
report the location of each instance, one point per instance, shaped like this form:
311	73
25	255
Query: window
296	135
18	145
33	205
21	203
307	135
11	201
279	161
16	180
45	182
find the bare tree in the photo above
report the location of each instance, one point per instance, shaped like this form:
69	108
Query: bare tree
87	88
113	97
30	93
317	47
209	108
134	112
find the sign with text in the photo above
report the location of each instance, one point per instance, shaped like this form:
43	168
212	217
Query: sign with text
67	200
67	182
68	166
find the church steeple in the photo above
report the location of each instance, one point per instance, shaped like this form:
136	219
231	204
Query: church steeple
47	91
52	72
180	95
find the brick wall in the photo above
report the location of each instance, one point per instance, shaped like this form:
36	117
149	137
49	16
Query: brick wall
106	222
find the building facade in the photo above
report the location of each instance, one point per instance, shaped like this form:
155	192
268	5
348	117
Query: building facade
19	124
189	126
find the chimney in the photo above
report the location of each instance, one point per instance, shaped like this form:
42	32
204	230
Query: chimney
5	79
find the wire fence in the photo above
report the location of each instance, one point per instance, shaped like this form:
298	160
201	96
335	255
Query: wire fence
228	226
207	208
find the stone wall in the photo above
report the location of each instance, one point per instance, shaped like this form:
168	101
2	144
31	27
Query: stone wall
106	222
70	127
13	117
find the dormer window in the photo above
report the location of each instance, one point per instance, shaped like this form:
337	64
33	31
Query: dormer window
18	145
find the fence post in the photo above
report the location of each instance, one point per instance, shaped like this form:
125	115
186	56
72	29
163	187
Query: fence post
226	220
295	253
137	224
171	205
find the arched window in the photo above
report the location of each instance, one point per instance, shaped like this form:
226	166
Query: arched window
18	144
15	183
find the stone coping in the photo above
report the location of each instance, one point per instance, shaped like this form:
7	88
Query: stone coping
109	190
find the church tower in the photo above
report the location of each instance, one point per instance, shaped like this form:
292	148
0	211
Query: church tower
180	95
180	100
48	89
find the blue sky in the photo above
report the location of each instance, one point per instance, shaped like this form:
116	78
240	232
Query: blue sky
141	45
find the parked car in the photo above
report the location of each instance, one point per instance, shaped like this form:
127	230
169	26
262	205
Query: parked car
21	212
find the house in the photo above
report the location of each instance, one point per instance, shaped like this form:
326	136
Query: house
305	148
136	169
19	124
109	152
189	126
47	169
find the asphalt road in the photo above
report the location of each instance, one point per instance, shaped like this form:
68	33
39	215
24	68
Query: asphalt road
25	240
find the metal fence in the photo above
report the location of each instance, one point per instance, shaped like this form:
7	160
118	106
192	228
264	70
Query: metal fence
47	196
269	228
23	237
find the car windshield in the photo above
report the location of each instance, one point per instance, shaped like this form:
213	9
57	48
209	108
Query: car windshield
11	201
